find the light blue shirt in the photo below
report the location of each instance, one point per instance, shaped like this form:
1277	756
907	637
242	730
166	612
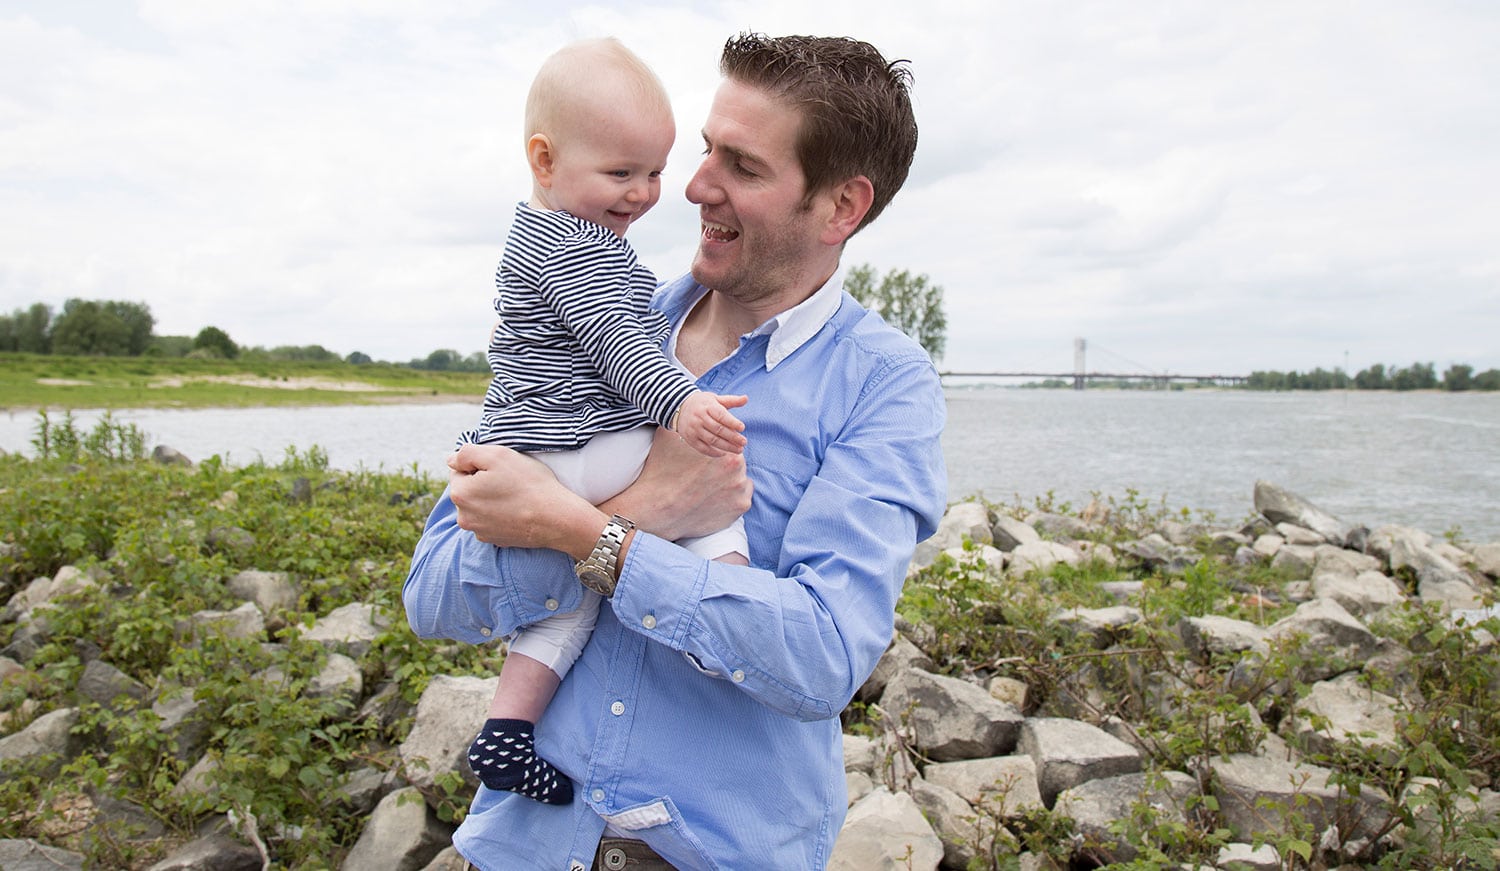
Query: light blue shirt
703	715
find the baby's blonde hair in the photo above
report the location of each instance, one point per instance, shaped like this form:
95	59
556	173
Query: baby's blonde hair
588	77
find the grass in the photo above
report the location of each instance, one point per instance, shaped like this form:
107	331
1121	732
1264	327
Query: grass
29	381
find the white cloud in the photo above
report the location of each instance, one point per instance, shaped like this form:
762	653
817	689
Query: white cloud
1196	187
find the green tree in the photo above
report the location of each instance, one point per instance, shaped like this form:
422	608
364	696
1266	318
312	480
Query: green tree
216	342
1372	378
1489	379
909	303
27	330
1458	377
358	358
1420	376
102	328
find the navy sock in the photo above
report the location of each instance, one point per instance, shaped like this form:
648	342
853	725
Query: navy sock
504	757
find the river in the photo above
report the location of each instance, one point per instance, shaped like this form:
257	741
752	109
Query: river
1429	460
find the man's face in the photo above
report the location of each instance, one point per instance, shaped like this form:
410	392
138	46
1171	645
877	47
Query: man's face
757	240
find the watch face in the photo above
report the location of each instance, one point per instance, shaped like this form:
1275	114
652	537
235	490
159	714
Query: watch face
596	579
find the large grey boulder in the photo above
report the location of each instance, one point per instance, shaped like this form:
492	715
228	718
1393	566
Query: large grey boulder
1097	806
403	834
1344	711
1333	641
26	855
449	715
272	592
105	685
1040	557
212	852
1070	752
1211	636
49	734
1280	505
954	820
351	628
1008	533
1366	593
1005	786
886	831
951	718
1257	794
962	521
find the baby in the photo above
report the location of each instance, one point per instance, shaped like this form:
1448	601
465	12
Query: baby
580	376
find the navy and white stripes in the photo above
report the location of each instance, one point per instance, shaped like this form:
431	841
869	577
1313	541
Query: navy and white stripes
577	351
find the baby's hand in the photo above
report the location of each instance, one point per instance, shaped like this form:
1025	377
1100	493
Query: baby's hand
705	424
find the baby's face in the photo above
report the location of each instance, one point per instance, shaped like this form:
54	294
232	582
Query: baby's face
610	173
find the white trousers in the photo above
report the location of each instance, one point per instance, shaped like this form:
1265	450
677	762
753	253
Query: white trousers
609	463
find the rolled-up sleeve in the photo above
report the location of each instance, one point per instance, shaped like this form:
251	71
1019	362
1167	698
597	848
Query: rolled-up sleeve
461	588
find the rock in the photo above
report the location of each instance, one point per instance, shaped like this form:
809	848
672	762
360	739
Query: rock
1211	635
951	718
899	657
1295	559
104	684
1002	786
25	855
1354	714
1250	790
213	852
230	540
402	835
1266	545
1009	691
1008	533
449	714
1333	640
953	820
49	734
177	710
351	628
1041	556
1060	527
1247	857
1070	752
860	754
170	456
1280	505
1155	553
1097	806
1299	535
1368	593
448	860
1104	626
245	621
885	830
272	592
963	521
1487	559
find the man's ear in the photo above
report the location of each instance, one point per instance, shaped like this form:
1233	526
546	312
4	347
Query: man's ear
851	202
542	158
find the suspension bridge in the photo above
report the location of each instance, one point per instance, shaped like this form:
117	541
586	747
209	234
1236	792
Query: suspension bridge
1081	375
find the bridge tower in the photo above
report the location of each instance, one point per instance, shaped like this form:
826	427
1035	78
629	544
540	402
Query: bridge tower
1079	346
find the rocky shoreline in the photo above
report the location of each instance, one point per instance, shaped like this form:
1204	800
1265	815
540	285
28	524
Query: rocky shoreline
945	761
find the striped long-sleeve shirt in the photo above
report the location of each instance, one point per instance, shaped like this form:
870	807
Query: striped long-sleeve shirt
578	350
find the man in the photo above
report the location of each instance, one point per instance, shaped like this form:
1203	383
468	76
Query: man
701	722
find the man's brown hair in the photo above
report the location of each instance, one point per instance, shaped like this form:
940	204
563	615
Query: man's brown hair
856	107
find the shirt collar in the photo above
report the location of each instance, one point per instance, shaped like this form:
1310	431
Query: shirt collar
792	328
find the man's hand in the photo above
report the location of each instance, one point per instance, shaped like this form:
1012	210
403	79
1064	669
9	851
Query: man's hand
683	493
511	500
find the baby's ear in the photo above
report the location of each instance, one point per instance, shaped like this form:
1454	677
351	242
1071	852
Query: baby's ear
541	157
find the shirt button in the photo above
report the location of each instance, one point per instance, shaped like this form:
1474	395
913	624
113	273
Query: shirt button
649	621
738	676
485	631
551	604
597	794
617	708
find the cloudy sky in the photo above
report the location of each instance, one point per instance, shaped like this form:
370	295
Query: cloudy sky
1193	187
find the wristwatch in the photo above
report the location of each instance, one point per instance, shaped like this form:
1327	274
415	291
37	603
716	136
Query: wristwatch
598	571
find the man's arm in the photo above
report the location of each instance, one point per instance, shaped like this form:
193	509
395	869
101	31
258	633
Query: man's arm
802	636
462	585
